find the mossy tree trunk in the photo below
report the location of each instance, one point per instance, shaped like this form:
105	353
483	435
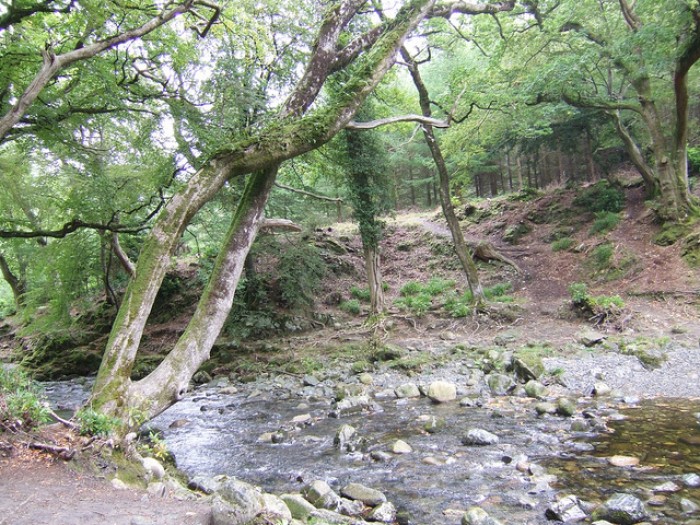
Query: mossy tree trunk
293	133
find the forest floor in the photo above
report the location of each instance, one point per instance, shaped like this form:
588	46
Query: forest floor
660	290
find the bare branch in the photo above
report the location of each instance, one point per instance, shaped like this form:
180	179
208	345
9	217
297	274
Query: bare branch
436	123
271	225
308	193
127	264
448	9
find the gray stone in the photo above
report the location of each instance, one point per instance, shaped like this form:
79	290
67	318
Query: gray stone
590	338
366	495
566	407
691	480
442	391
380	456
118	484
528	366
499	384
535	389
624	509
545	408
354	403
343	437
276	510
689	506
407	390
349	507
478	516
228	391
567	510
153	468
479	437
298	506
401	447
384	513
321	495
327	517
310	380
601	389
669	486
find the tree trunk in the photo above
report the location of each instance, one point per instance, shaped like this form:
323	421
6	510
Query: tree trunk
444	180
520	174
17	285
168	382
374	278
291	134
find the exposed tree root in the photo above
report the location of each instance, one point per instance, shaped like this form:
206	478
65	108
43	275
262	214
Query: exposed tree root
485	251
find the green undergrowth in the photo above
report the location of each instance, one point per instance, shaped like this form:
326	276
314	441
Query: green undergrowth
563	244
22	403
651	351
440	294
599	308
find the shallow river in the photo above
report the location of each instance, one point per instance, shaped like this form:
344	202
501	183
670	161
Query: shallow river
441	477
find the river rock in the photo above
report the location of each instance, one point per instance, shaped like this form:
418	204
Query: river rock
368	496
669	486
276	510
689	506
478	516
601	389
350	507
310	380
299	508
566	407
353	404
528	366
228	390
345	390
535	389
589	339
384	513
321	495
407	390
623	509
118	484
381	456
545	408
153	468
401	447
479	437
623	461
567	510
365	379
442	391
235	502
499	384
343	437
691	480
327	517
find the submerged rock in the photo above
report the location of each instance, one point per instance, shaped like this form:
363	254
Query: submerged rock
567	510
479	437
623	509
478	516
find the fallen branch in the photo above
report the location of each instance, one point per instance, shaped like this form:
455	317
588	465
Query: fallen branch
65	453
64	422
271	225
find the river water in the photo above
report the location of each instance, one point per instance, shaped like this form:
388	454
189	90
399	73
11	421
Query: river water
211	433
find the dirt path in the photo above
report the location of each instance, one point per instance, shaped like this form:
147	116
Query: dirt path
36	489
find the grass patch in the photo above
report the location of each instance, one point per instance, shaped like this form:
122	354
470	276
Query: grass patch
563	244
352	307
361	294
600	308
462	305
604	222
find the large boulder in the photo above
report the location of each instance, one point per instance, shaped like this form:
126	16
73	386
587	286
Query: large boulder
235	502
479	437
321	495
566	510
442	391
369	496
500	384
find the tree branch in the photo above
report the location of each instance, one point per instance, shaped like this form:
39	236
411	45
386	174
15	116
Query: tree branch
53	63
308	193
436	123
70	227
128	266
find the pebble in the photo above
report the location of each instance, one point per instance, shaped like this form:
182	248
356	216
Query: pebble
401	447
623	461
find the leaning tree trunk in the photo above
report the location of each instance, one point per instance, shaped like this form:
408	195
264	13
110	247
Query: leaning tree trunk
17	285
461	248
292	134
